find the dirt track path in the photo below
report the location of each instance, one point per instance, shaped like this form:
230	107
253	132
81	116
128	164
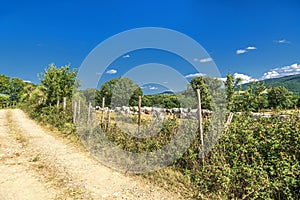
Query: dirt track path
36	165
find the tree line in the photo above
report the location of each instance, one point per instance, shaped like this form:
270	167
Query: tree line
256	97
57	83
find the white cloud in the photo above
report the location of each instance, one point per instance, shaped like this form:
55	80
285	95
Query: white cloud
282	71
126	56
153	88
194	75
205	60
222	79
282	41
251	48
241	51
26	81
112	71
244	78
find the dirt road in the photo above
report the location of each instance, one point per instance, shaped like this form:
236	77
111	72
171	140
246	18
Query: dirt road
36	165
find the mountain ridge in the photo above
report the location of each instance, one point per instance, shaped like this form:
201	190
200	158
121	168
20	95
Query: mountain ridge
291	82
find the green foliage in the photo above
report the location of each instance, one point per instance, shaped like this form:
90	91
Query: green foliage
58	83
41	102
280	97
4	84
125	92
89	95
4	100
17	89
256	158
161	100
200	83
119	92
252	98
229	88
13	88
106	92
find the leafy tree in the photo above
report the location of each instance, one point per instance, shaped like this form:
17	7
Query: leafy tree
17	89
260	100
125	92
230	88
4	84
119	92
89	95
170	101
58	83
187	101
199	83
28	89
36	96
229	84
106	92
146	101
279	97
134	99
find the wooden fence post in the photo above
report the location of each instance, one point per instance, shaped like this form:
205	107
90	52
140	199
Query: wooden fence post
228	122
140	112
65	103
57	103
78	113
103	106
89	113
108	119
200	124
74	112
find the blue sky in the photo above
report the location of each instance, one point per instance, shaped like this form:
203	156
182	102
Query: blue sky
259	39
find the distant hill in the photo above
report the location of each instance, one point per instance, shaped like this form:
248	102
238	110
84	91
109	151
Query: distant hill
292	83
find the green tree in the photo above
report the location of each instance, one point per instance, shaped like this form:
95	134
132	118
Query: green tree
119	92
89	95
17	89
229	84
260	100
280	97
230	89
106	92
4	84
170	101
146	101
28	89
134	99
125	92
199	83
58	83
